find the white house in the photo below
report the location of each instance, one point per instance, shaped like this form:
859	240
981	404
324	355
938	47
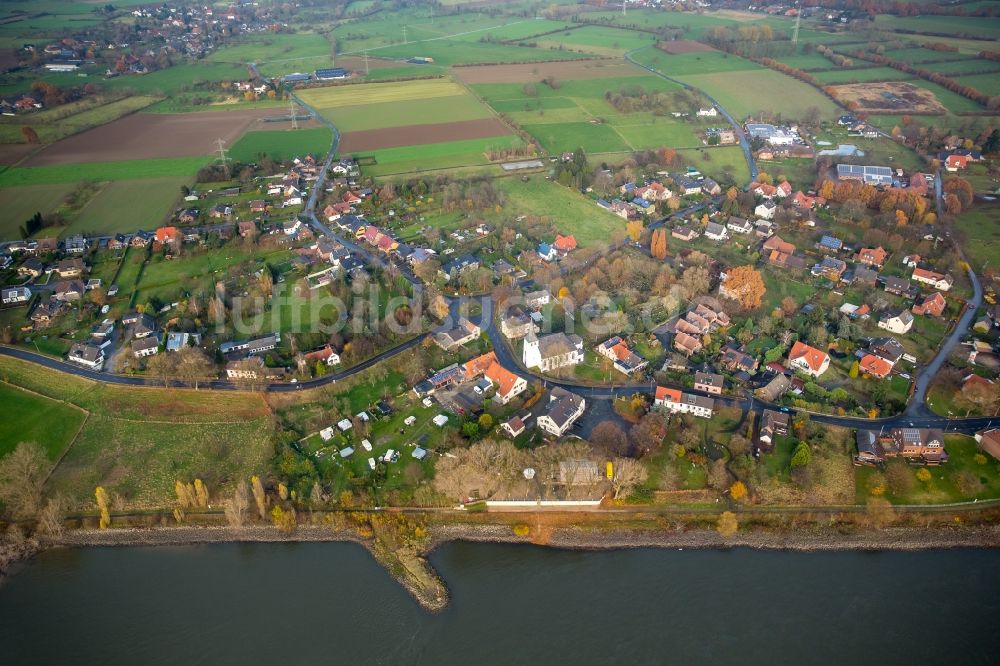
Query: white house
808	359
15	295
88	355
143	347
765	210
716	232
936	280
710	112
561	412
739	225
897	323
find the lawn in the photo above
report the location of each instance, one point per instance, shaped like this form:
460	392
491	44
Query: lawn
179	167
435	156
567	209
750	92
34	418
128	205
281	144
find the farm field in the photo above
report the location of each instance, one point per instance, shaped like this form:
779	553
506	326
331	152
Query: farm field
600	40
374	106
568	210
969	67
697	62
592	137
985	83
535	72
179	78
413	135
430	157
919	55
954	102
281	144
861	75
954	25
128	205
101	171
268	48
457	52
150	136
750	92
516	30
35	418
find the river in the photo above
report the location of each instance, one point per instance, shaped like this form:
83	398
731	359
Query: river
331	603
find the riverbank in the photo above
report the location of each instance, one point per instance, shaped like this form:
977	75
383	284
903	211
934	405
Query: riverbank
416	575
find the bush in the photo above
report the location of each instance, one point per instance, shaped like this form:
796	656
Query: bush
521	530
923	474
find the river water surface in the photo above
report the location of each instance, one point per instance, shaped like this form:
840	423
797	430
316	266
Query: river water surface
330	603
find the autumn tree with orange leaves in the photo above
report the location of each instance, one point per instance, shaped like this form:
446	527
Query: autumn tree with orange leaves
746	285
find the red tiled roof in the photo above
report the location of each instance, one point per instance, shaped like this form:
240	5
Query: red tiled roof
813	357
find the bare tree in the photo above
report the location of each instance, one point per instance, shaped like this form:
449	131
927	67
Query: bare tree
51	519
259	496
22	474
628	473
194	365
239	503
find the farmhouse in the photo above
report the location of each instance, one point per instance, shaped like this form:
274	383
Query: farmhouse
561	412
552	351
808	359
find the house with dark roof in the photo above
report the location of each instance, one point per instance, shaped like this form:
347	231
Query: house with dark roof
561	412
773	424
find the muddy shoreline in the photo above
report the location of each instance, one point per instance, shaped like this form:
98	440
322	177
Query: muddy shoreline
430	591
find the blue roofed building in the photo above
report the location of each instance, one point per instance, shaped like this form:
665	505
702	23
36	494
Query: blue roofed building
546	251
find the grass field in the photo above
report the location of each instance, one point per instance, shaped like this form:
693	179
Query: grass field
723	163
973	66
984	83
861	75
281	144
457	52
128	205
180	78
689	64
275	48
598	40
20	203
35	418
380	105
954	25
567	209
137	442
593	138
179	167
750	92
428	157
919	56
980	230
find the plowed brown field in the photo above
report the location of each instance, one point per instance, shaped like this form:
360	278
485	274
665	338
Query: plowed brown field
144	136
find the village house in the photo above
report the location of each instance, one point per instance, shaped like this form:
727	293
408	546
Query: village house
899	287
253	347
546	252
710	187
739	225
806	201
765	209
552	351
874	366
687	344
147	346
624	359
561	412
781	253
772	424
31	268
733	359
564	244
684	233
898	323
324	355
989	441
70	268
677	402
537	299
830	268
922	444
516	325
508	385
865	277
715	232
13	295
872	256
930	306
69	290
939	281
888	348
459	266
464	333
513	426
774	389
75	244
87	354
709	382
808	359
